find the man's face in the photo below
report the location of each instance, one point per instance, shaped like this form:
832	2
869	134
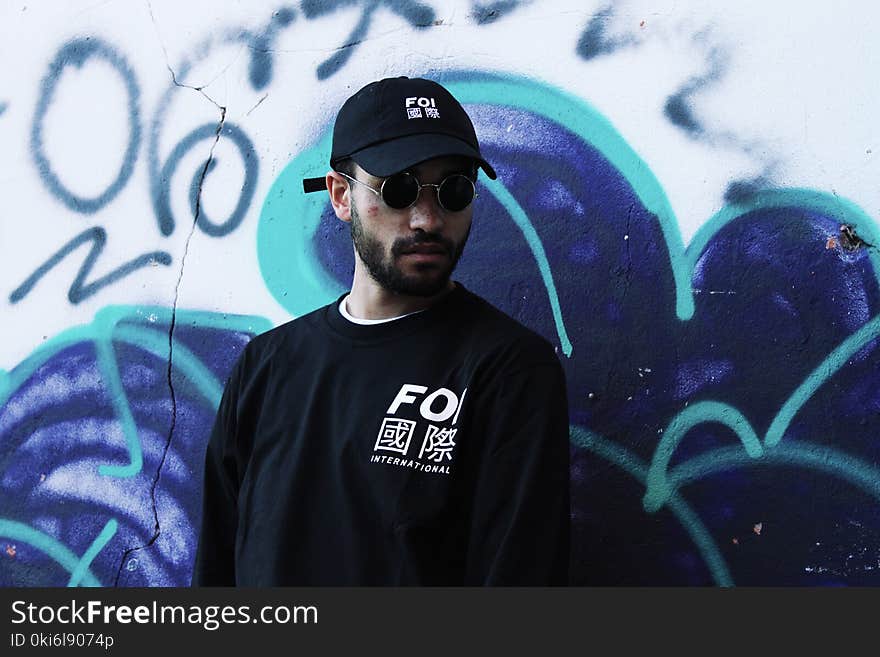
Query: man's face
411	251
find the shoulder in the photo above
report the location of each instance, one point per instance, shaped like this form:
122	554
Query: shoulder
276	342
502	338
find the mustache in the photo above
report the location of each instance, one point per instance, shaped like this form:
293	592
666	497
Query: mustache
405	244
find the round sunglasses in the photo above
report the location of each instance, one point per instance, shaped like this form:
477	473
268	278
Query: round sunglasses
401	190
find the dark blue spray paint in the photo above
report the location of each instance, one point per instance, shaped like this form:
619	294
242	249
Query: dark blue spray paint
492	11
80	289
77	53
418	15
260	69
742	191
678	108
160	175
59	425
3	107
595	42
162	202
772	301
679	112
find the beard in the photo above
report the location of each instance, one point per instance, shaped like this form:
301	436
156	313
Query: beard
429	279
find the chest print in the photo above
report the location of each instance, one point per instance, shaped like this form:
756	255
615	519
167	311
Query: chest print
426	444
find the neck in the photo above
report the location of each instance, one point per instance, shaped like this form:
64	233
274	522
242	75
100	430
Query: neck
369	300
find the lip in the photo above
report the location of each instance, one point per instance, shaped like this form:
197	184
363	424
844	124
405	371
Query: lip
426	249
425	256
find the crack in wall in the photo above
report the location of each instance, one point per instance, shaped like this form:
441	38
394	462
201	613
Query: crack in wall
170	70
157	530
259	102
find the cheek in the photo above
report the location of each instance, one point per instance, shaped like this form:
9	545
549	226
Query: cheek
372	212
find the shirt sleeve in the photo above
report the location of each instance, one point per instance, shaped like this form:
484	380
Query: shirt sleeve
215	555
519	530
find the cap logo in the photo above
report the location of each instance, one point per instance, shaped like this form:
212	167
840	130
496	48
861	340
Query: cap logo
428	104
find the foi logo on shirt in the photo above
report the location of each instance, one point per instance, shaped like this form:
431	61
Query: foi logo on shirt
437	442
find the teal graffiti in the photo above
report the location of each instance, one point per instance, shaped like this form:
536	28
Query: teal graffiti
688	519
660	485
586	122
826	369
103	331
116	324
700	413
844	211
77	567
857	472
593	128
288	220
522	221
294	276
89	555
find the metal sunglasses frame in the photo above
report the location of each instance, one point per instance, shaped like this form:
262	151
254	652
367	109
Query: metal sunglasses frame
436	186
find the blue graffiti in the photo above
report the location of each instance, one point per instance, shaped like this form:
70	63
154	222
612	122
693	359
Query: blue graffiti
260	69
714	389
595	42
492	11
80	289
678	106
160	175
418	15
679	110
77	53
162	200
744	191
84	435
3	107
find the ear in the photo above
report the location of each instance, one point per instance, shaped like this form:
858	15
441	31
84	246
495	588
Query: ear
340	195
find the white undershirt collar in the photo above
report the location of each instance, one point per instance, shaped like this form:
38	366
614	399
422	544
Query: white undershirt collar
356	320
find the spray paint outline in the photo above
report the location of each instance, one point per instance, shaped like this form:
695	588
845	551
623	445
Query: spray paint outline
102	332
106	328
77	52
78	567
660	485
683	261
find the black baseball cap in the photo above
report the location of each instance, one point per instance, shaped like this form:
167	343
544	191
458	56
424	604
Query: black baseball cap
393	124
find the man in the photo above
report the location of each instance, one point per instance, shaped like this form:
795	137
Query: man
408	433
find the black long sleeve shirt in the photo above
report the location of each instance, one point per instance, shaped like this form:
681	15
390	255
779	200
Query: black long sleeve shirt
430	450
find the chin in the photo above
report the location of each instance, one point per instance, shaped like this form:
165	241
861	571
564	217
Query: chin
421	286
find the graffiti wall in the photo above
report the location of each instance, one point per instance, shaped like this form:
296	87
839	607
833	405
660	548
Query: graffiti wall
687	192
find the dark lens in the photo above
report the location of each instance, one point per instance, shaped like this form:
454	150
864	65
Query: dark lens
400	190
456	192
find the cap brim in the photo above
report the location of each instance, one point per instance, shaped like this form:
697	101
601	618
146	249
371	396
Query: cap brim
399	154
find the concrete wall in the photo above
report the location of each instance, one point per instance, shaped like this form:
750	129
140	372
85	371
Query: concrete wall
686	207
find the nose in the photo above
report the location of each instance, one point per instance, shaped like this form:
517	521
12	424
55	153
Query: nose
426	214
